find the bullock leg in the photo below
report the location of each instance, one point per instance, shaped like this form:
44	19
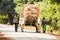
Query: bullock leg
38	28
37	31
22	28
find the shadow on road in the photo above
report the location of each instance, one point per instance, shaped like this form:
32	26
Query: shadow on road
4	38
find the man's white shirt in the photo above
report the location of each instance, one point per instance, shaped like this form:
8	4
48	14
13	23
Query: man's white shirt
21	20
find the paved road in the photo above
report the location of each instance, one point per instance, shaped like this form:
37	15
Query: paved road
9	32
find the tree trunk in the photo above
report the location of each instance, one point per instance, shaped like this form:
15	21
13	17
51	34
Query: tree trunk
10	18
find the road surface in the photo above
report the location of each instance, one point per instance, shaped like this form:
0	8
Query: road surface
9	32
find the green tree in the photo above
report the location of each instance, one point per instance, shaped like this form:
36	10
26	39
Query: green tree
7	6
